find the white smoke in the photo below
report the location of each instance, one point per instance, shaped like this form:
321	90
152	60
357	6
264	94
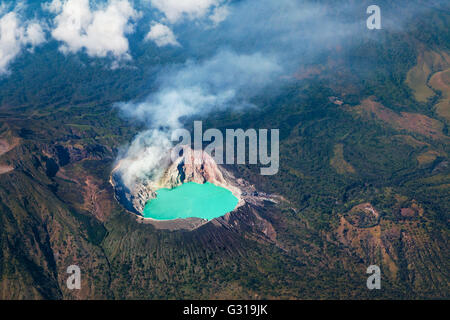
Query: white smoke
224	81
145	157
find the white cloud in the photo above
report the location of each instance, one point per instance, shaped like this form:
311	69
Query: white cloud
162	35
16	35
175	10
3	8
35	34
55	6
100	31
219	14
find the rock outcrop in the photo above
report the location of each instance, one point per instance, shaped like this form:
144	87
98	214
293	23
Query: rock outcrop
193	166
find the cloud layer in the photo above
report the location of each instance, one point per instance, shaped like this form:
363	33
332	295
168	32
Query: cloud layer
15	35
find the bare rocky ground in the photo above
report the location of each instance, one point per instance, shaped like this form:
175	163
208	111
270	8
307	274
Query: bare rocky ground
5	169
5	147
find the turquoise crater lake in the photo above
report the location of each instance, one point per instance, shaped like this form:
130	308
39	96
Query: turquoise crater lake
206	201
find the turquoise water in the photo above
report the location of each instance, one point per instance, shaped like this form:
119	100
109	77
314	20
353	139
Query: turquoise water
206	201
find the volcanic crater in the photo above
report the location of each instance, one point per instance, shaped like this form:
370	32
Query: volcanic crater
192	166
